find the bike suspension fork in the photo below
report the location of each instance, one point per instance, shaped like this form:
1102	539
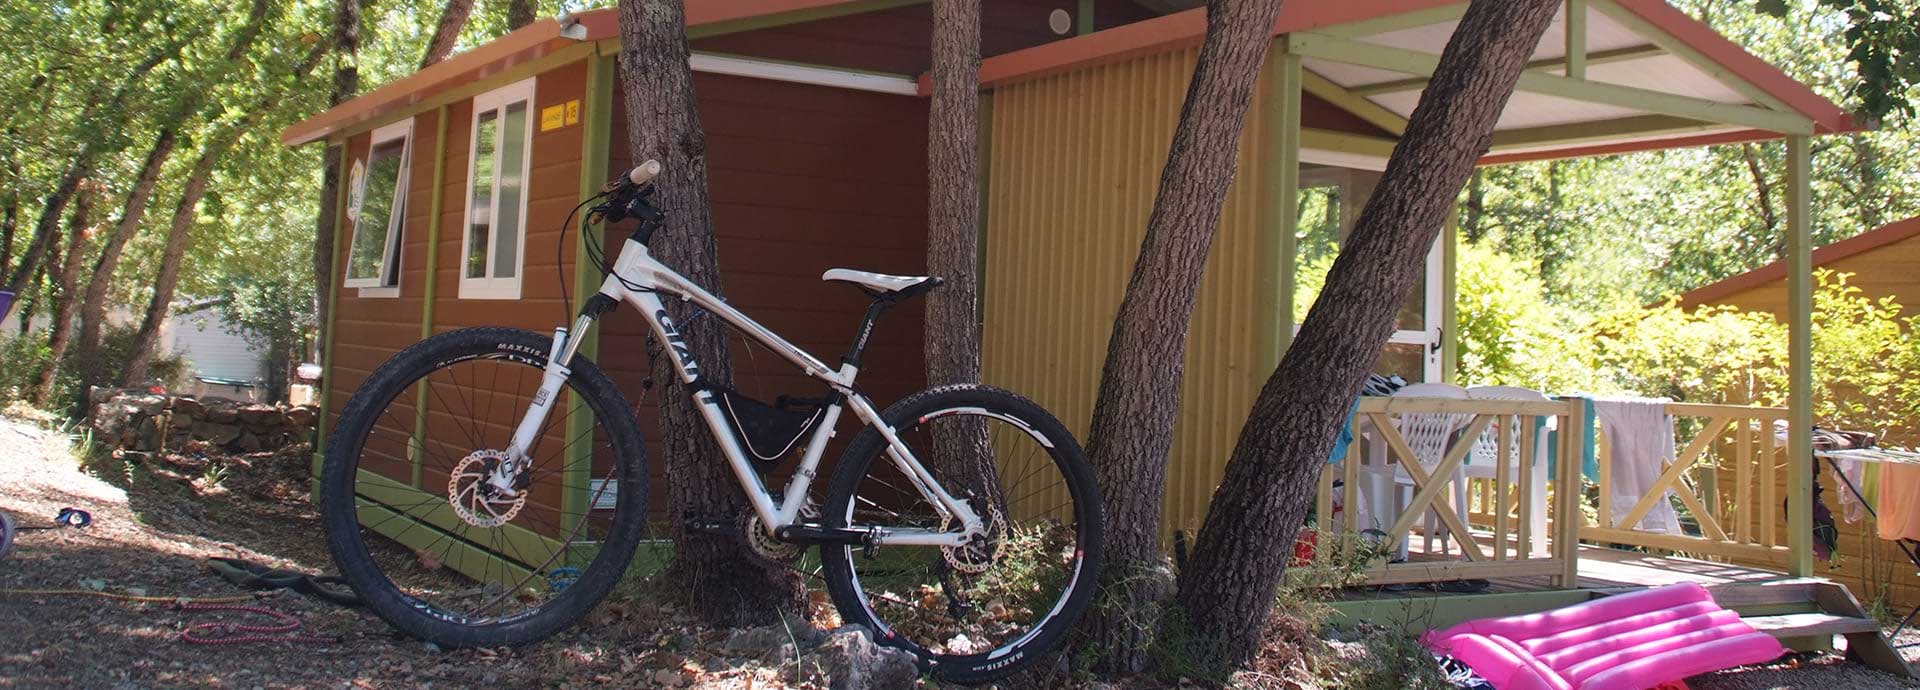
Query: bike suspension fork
565	344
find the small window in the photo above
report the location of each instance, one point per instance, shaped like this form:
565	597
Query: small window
496	216
378	209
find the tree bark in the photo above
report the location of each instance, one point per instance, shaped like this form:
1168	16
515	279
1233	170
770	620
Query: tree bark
723	584
961	453
1139	397
178	236
521	13
453	19
93	305
346	83
1244	545
60	331
1471	218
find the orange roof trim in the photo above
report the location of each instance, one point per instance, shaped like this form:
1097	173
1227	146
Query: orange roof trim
1852	246
525	44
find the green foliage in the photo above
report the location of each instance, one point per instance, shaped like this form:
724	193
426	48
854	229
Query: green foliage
1884	49
23	357
1866	366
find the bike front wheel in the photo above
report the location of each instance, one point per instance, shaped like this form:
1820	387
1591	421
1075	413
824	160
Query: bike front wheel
424	533
996	605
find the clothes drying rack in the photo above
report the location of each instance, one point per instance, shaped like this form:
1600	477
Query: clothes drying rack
1885	456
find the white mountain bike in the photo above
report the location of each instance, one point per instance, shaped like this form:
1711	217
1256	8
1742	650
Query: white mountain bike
501	519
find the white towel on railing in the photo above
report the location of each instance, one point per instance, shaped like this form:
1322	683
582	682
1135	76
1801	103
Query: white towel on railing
1640	437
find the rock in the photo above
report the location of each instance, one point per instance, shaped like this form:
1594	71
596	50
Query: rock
222	412
145	404
181	420
188	407
301	416
150	434
855	663
247	442
259	415
216	434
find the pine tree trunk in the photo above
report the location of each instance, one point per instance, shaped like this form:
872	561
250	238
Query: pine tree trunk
67	283
521	13
724	585
1133	416
961	453
346	83
178	235
453	19
93	305
45	230
1229	583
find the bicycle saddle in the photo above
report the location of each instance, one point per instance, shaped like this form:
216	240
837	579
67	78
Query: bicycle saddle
883	285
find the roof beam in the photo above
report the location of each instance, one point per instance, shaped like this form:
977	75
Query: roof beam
1603	57
1660	37
1398	22
1422	64
1592	132
1362	108
768	21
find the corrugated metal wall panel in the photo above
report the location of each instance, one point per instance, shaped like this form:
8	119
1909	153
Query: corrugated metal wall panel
1076	159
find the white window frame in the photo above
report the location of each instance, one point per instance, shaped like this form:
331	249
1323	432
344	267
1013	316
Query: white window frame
490	286
378	286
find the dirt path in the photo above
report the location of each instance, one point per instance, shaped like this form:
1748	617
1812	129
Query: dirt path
154	544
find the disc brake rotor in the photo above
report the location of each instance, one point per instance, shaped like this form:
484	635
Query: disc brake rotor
980	553
476	500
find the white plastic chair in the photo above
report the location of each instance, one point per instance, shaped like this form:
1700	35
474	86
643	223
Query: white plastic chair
1428	435
1483	461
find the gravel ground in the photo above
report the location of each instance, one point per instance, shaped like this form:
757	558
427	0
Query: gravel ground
153	529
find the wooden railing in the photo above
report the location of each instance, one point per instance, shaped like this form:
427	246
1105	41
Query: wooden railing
1714	443
1381	456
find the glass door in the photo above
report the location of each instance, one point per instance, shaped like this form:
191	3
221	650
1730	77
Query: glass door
1330	200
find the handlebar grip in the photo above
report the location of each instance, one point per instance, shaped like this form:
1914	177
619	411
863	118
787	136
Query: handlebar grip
644	172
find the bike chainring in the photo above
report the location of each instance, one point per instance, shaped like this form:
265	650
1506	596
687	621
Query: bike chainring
983	550
476	500
769	548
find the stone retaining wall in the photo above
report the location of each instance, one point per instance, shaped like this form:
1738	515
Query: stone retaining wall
138	420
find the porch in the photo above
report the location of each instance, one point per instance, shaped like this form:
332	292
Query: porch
1540	523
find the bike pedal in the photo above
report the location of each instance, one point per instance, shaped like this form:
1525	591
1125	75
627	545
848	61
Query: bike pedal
707	524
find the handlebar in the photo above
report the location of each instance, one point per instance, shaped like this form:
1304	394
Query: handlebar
643	173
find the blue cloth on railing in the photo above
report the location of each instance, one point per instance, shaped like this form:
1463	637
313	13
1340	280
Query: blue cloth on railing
1346	436
1589	455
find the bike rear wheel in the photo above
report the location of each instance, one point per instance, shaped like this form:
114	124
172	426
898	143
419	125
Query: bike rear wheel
994	607
422	536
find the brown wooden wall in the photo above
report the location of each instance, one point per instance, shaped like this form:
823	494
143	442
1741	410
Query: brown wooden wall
897	40
803	179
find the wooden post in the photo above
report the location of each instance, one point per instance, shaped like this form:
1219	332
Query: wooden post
1576	25
1282	161
320	426
596	120
435	204
1567	494
1800	354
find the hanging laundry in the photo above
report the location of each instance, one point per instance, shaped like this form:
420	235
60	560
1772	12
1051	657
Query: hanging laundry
1900	501
1640	446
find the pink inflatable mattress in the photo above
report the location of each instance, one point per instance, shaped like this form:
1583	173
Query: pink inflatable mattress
1623	642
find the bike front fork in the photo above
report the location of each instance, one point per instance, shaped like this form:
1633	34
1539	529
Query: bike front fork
565	344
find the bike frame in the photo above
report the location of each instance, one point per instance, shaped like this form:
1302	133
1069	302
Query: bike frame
649	279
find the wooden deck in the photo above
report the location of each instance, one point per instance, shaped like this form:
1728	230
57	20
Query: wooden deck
1603	568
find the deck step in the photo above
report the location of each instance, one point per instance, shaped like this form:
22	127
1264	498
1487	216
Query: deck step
1812	625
